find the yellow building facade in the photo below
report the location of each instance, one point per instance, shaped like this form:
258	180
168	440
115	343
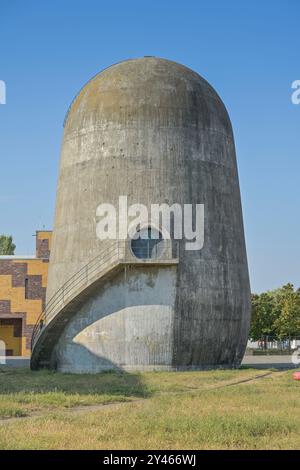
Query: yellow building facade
23	282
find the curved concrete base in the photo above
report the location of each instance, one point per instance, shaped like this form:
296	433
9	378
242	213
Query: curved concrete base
127	325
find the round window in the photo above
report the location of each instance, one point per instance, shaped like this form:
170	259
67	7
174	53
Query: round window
147	243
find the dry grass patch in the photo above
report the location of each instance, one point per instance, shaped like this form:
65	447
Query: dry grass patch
177	410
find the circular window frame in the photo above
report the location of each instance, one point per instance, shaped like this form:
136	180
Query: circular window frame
161	241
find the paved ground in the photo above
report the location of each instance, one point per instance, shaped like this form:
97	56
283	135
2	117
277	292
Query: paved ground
258	362
267	362
17	361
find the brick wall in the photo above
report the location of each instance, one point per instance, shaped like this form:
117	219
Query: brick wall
23	285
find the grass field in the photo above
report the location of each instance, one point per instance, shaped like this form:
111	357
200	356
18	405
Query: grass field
233	409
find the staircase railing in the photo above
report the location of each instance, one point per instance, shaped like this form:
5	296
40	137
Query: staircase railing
113	252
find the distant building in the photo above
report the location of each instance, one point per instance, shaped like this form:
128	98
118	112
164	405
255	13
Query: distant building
23	281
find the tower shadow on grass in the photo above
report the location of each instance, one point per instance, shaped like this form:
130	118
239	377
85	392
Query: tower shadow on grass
112	383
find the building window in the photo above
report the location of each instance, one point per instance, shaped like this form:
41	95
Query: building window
147	244
26	288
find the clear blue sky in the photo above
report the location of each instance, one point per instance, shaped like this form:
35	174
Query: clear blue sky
248	50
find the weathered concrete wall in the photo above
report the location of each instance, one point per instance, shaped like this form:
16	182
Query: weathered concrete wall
126	325
157	132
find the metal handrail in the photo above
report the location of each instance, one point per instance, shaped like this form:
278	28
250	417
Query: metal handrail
76	280
108	255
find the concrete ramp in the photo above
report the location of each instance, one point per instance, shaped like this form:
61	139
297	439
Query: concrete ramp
116	257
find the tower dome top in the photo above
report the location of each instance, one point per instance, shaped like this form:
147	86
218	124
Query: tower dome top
140	83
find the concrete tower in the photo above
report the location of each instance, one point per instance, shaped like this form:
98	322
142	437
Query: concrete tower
156	132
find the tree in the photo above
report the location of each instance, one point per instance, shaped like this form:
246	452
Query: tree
276	314
264	316
288	303
7	247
